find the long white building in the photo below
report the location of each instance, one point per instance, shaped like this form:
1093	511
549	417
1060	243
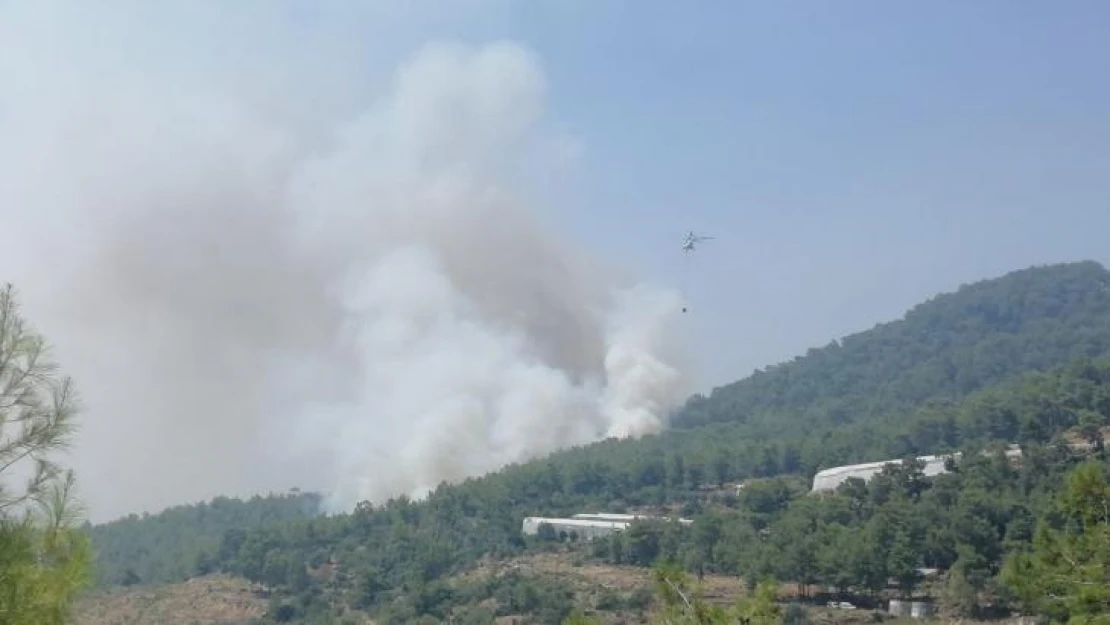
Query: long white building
584	528
830	479
587	525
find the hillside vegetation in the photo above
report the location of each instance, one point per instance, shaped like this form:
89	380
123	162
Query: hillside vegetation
945	348
175	544
1017	359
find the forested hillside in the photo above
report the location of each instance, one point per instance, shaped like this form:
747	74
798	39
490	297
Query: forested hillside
176	543
998	362
944	348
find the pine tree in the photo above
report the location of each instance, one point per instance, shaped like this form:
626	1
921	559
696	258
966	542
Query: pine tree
44	559
1067	573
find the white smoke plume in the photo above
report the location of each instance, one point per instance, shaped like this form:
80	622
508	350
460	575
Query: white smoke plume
262	276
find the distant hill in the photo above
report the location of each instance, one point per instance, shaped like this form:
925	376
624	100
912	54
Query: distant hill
944	348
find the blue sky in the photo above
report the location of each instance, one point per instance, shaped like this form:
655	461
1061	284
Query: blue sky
854	158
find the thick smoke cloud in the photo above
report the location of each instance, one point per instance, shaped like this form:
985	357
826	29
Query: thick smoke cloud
263	277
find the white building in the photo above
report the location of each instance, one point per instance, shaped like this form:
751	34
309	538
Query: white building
587	525
584	528
830	479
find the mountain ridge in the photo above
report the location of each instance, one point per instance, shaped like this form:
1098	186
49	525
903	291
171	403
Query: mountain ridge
992	314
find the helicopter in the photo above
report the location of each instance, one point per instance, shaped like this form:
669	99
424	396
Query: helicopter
691	239
689	242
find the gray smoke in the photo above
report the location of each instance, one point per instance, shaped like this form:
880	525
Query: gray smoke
263	277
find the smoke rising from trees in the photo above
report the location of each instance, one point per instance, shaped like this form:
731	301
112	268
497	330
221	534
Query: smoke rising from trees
265	269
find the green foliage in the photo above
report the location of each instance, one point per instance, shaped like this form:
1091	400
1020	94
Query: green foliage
945	348
683	604
578	618
44	561
1066	574
41	571
858	537
184	541
761	607
795	614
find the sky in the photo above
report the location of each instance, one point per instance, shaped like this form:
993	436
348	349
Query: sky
854	158
186	189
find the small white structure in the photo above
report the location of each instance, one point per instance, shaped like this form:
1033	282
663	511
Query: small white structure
928	572
921	609
898	608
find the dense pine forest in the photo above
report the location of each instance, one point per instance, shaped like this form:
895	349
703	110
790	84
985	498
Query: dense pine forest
176	543
1022	359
